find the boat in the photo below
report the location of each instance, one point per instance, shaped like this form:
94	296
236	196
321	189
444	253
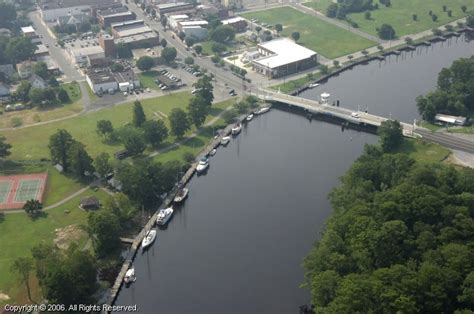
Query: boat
262	110
313	85
236	129
130	276
213	152
202	165
181	195
225	140
164	215
149	238
250	117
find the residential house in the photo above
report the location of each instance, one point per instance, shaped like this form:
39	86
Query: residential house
6	71
37	81
4	92
25	69
75	20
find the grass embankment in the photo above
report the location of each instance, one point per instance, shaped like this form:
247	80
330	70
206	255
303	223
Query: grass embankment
290	86
20	233
31	143
328	40
400	15
36	115
424	152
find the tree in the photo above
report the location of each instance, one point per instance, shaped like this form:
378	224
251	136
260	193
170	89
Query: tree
182	35
470	21
19	49
434	17
445	8
450	13
32	207
223	34
258	29
7	14
116	67
102	165
23	267
104	228
123	51
145	63
336	63
138	114
408	40
105	128
205	89
350	57
133	141
241	107
23	91
80	161
463	9
386	32
367	15
218	48
380	47
163	42
155	132
169	54
391	135
295	36
41	69
188	61
414	17
59	145
63	96
4	147
198	109
278	28
179	122
190	40
324	69
332	9
198	49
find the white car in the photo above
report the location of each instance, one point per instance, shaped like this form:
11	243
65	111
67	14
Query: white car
355	115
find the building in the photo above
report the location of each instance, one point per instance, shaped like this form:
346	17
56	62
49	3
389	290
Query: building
453	120
127	80
83	56
41	51
28	31
174	8
142	40
37	81
281	57
233	4
108	44
53	68
75	20
101	82
135	34
174	19
6	71
5	32
239	24
111	16
197	32
90	202
153	53
4	92
50	10
25	68
216	9
183	24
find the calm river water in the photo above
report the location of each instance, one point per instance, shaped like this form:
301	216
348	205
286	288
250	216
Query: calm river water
237	244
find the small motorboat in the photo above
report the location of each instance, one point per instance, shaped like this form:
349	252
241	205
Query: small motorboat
164	216
181	195
225	140
236	129
130	276
149	238
262	110
213	152
250	117
313	85
202	165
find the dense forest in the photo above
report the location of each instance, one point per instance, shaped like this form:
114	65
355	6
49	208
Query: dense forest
454	93
401	239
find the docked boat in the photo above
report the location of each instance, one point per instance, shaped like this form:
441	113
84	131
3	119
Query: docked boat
202	165
313	85
250	117
149	238
130	276
225	140
236	129
262	110
164	216
213	152
181	195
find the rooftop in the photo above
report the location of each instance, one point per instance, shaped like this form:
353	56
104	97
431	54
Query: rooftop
27	29
130	31
179	17
134	38
232	20
56	4
114	11
193	23
285	51
170	5
126	76
41	49
87	51
101	77
128	23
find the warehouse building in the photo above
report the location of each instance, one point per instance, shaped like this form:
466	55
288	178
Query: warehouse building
51	10
174	8
281	57
102	82
111	16
135	34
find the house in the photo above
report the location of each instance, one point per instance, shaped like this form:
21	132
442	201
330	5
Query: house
28	31
453	120
6	71
37	81
5	32
41	51
239	24
4	92
90	202
75	20
25	69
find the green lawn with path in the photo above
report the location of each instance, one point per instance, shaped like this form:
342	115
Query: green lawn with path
20	233
328	40
400	13
147	79
73	90
318	5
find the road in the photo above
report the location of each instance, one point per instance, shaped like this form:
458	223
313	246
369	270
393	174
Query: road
447	140
58	54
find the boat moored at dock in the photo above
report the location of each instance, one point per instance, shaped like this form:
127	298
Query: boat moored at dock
149	238
202	165
237	128
130	276
181	195
164	216
262	110
225	140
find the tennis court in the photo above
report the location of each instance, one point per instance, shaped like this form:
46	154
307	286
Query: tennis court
16	190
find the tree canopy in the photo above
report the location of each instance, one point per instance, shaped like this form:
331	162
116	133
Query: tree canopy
223	34
400	239
145	63
386	31
179	122
391	135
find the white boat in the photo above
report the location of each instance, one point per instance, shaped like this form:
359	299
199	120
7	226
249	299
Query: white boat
213	152
262	110
236	129
202	165
149	238
181	195
313	85
225	140
164	215
250	117
130	276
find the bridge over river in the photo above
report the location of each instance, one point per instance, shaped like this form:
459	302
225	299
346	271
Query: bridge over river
365	118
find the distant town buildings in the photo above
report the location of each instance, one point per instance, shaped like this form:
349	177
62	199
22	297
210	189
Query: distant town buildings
107	82
239	24
134	33
174	8
51	10
116	15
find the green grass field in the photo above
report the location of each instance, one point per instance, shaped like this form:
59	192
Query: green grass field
147	79
31	143
290	86
318	5
20	233
400	13
73	90
327	39
424	152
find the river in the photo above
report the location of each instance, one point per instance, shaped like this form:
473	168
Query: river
237	243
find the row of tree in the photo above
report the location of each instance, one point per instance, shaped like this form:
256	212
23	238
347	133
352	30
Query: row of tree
41	97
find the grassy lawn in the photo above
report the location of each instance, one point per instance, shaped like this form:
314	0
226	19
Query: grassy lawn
327	39
290	86
424	152
399	15
91	94
147	79
31	143
20	233
73	90
318	5
462	130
